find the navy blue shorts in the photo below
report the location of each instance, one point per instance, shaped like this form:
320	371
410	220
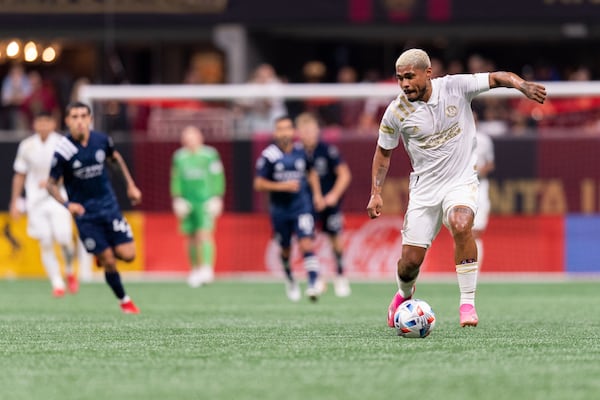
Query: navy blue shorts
99	233
330	220
303	225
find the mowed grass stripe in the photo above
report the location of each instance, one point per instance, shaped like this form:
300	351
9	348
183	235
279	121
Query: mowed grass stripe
239	340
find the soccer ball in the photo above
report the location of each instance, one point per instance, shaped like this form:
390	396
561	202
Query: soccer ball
414	319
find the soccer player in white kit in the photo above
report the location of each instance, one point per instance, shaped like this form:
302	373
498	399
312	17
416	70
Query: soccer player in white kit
47	221
434	121
485	165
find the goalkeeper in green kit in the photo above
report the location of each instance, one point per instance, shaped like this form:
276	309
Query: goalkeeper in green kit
197	187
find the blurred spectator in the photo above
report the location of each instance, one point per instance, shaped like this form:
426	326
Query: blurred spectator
348	110
42	99
455	67
324	108
75	89
15	89
206	67
437	68
259	115
493	111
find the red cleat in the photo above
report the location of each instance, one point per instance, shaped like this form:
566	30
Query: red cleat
72	284
396	301
129	308
58	292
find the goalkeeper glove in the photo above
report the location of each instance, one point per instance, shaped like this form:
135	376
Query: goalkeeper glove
181	207
214	206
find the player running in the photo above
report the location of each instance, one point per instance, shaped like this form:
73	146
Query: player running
334	177
47	221
197	188
79	160
283	170
433	118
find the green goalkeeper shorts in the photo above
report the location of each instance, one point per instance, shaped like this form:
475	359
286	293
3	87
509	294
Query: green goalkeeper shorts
197	220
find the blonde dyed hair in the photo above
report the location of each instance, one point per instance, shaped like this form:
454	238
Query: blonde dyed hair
306	117
414	57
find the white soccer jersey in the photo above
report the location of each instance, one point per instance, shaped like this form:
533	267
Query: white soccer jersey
438	135
485	149
33	159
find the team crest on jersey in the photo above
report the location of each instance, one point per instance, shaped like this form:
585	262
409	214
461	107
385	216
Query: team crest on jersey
300	164
89	243
321	165
451	111
100	156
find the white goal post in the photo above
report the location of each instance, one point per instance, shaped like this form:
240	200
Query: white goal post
90	93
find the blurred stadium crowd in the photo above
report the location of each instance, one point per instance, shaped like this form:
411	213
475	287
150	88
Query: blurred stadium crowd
344	41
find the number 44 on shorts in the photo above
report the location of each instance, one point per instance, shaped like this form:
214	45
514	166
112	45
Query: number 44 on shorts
121	225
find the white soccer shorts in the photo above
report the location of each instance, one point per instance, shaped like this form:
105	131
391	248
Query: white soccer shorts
50	221
422	223
483	206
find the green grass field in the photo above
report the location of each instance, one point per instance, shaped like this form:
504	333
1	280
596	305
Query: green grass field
236	340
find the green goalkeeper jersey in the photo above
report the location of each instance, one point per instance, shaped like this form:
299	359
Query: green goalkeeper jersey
197	176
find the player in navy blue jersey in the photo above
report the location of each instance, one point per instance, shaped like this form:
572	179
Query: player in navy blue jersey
335	177
79	161
283	170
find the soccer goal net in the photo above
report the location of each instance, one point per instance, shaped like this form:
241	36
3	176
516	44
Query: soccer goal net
543	191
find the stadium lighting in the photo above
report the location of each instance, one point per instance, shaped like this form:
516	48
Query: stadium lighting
49	54
12	49
30	52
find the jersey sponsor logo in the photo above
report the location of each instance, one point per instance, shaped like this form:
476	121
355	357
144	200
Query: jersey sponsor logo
89	172
438	139
282	176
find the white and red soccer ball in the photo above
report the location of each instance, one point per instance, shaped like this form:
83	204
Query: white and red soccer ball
414	319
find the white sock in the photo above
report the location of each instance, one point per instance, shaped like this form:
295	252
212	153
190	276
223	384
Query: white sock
405	288
479	244
68	254
84	261
467	282
51	266
125	299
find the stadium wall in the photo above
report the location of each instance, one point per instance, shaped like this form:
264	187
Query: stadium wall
545	196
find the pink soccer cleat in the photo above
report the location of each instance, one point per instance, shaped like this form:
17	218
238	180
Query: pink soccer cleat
396	301
129	308
468	315
58	292
72	284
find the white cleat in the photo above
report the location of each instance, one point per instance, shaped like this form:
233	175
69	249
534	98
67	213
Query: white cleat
321	285
313	293
341	287
207	275
292	290
195	278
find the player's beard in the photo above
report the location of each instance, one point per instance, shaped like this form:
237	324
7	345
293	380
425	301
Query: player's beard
284	142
